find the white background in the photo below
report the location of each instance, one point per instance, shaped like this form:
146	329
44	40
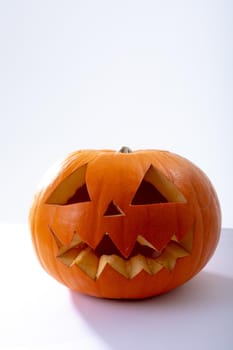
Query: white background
102	74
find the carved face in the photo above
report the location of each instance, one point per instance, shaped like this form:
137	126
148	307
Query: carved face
121	216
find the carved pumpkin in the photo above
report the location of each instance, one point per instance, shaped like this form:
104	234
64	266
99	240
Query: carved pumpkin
125	224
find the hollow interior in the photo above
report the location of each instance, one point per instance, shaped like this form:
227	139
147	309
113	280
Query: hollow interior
80	195
113	210
107	247
148	194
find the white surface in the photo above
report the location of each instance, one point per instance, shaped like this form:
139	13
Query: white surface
39	313
103	74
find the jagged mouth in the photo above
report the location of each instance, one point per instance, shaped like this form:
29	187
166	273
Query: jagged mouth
144	255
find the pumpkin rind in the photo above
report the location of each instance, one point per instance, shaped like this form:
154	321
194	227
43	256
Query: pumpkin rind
111	181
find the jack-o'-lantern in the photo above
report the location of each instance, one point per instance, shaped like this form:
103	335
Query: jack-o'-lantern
125	224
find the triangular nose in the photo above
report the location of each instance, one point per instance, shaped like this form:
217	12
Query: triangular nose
113	210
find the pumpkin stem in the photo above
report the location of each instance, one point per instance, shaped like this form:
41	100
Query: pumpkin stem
125	149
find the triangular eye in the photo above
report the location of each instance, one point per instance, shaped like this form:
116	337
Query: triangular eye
156	188
72	190
113	210
148	194
81	195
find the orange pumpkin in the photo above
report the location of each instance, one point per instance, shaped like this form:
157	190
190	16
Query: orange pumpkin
125	224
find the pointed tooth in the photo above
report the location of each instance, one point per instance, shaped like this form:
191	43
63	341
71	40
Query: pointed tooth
187	241
174	238
69	251
125	249
167	260
88	262
153	265
57	240
144	242
171	253
68	256
75	240
136	264
176	250
116	262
